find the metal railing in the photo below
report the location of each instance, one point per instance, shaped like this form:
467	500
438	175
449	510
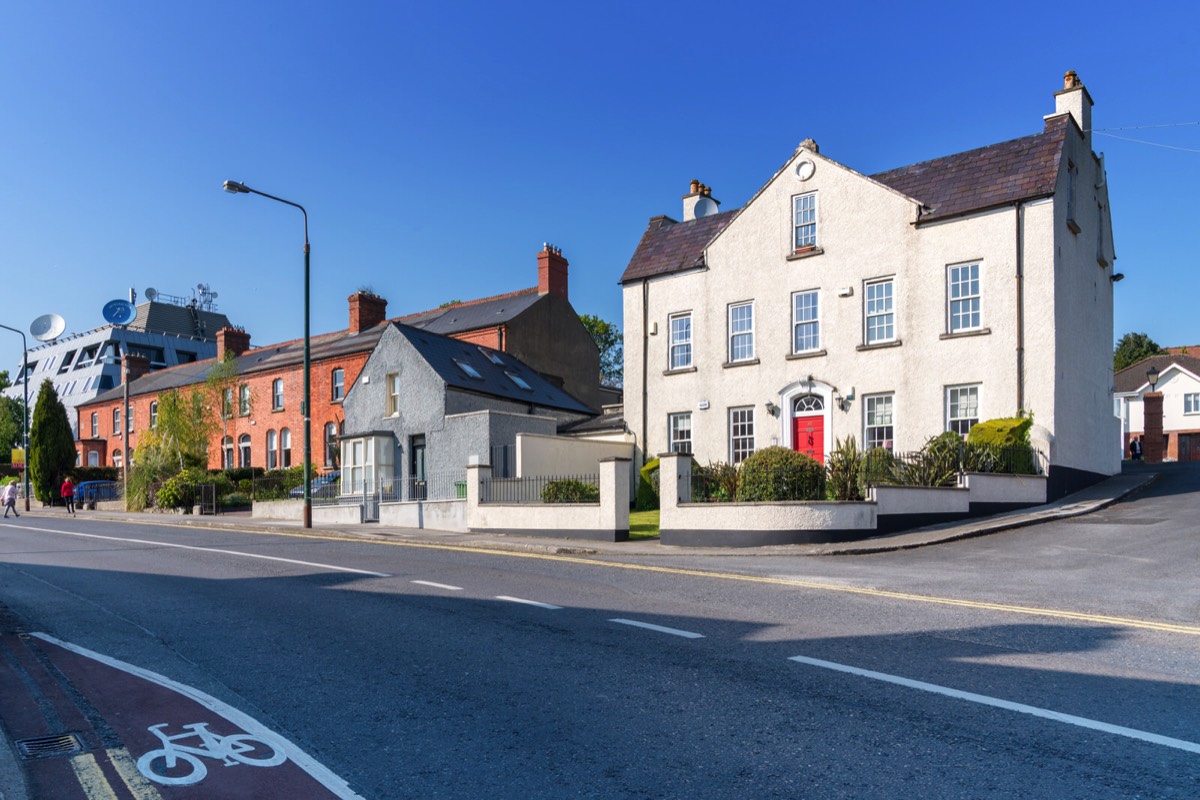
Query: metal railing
541	489
448	485
943	466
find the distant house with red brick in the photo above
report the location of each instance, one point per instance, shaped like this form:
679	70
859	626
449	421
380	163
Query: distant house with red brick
264	426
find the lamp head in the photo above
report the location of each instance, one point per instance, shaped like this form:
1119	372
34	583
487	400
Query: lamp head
1152	376
233	187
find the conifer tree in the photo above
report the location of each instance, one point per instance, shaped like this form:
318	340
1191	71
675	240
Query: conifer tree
51	443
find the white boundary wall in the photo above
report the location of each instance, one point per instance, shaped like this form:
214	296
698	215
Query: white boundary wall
442	515
538	454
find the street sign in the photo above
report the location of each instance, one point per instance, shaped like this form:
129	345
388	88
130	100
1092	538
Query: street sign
18	457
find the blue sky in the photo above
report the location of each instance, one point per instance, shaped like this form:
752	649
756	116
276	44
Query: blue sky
437	146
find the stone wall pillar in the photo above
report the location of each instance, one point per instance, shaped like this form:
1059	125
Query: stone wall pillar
614	496
1152	442
476	474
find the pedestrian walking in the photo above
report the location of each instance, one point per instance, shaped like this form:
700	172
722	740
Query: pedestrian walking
1135	449
8	498
68	495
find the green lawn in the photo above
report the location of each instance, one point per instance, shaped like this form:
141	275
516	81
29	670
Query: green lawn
643	524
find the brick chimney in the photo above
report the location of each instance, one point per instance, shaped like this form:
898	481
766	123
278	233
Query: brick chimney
1075	100
135	366
699	202
366	311
552	271
231	340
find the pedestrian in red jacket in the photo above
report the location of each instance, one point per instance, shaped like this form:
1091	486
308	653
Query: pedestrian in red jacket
68	496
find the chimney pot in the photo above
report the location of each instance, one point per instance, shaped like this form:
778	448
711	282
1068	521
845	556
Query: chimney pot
232	340
695	186
1070	80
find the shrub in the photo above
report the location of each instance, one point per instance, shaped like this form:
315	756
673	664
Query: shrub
878	467
81	474
715	483
1001	445
647	488
844	465
177	492
234	500
569	490
1002	432
936	464
776	473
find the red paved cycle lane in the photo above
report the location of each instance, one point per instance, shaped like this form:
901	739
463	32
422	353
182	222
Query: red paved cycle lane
116	710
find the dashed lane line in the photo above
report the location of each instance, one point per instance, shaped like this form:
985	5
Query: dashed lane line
445	586
995	702
1052	613
522	601
661	629
214	550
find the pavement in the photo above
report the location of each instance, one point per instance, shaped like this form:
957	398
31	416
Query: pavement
1135	477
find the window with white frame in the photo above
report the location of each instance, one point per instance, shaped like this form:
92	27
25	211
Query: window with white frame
879	419
962	295
95	425
331	448
879	312
337	382
681	340
679	432
285	448
244	400
244	450
116	458
1191	403
129	420
153	414
741	332
227	402
741	433
804	220
227	452
277	394
272	452
962	408
116	420
806	323
392	382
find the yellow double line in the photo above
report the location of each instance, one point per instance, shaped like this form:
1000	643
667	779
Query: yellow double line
96	786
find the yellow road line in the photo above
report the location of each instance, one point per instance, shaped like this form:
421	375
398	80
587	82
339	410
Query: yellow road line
134	780
91	778
1168	627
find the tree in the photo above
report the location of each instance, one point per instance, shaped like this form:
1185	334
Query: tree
223	395
607	337
12	424
52	444
4	379
1132	348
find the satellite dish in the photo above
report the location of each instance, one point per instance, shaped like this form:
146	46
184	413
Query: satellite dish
151	294
48	327
119	312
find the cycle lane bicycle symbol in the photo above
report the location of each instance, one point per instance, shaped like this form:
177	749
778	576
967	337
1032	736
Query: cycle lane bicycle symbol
177	764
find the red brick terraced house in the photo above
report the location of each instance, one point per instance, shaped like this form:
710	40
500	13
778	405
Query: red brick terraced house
264	426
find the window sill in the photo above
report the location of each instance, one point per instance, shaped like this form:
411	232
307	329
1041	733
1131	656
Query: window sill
806	252
276	410
965	334
680	371
806	354
750	362
337	401
879	345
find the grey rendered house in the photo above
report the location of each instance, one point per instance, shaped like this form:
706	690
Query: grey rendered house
425	403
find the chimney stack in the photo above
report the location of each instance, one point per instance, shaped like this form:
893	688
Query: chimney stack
552	271
366	311
1075	100
135	366
699	202
232	340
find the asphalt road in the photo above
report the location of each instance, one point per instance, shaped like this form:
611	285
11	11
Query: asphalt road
462	675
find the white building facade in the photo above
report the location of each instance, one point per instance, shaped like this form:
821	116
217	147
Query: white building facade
889	308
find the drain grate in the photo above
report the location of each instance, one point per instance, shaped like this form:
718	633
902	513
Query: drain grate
62	744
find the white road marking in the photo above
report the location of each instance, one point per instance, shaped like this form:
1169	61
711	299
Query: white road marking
440	586
528	602
995	702
319	772
651	627
206	550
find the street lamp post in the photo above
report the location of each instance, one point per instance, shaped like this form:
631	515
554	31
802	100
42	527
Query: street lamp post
234	187
25	409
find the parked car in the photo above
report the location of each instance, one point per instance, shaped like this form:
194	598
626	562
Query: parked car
92	491
322	486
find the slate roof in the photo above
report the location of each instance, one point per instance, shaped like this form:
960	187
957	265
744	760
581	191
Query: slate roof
996	175
179	320
963	183
474	314
1133	377
441	352
668	246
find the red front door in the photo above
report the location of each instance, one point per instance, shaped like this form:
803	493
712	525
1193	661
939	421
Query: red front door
808	436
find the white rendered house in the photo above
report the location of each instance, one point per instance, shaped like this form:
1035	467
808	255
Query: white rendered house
889	307
1178	380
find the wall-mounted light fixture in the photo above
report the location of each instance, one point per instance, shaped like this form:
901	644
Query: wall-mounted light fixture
843	402
772	409
1117	276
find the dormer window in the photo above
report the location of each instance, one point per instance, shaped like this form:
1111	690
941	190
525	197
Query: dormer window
468	370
